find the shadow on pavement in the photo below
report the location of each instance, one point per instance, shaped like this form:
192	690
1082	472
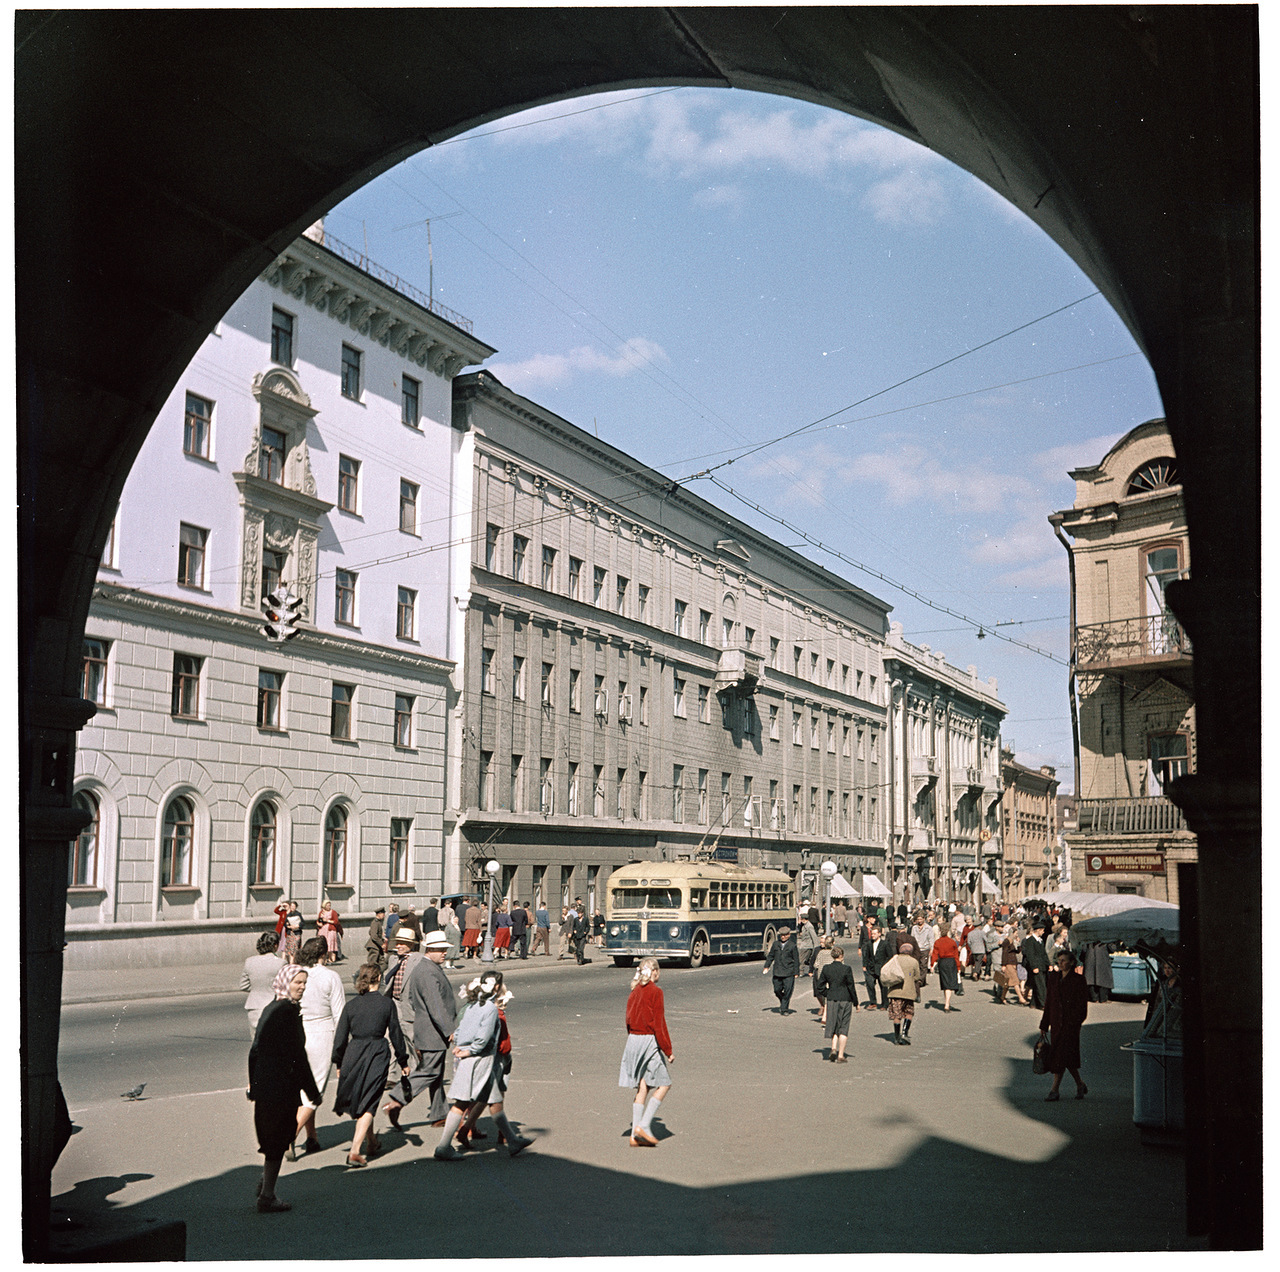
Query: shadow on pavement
1102	1191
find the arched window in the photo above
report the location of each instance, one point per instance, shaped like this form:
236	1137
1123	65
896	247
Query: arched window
1154	475
335	845
177	845
83	867
262	845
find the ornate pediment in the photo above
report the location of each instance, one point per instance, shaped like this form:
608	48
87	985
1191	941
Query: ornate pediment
1161	693
731	547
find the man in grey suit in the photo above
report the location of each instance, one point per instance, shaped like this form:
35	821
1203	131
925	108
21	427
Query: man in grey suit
431	1000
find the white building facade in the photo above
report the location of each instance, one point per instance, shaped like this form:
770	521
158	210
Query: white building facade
307	445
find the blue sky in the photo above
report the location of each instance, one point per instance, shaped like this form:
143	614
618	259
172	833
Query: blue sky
694	271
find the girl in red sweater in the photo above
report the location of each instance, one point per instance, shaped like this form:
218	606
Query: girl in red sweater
946	955
643	1065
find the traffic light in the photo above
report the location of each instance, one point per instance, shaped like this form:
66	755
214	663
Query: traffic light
281	610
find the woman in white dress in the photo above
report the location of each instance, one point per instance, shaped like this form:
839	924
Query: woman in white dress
476	1065
322	1005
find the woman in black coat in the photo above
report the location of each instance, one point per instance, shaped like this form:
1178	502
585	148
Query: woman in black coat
1066	1006
361	1055
279	1075
835	982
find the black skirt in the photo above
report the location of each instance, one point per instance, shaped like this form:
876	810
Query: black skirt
838	1017
948	974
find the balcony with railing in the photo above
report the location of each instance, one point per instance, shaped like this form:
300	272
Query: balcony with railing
1126	642
1146	815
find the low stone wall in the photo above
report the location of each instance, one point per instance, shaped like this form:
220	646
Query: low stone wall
119	946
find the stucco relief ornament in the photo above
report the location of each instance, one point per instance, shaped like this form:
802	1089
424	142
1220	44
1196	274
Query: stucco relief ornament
539	483
590	508
720	571
252	559
512	471
742	580
279	532
616	522
808	609
566	498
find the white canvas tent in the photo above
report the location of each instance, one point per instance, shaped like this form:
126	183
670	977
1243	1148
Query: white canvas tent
872	887
1089	903
841	887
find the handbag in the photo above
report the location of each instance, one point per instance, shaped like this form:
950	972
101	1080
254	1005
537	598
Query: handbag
1040	1057
891	974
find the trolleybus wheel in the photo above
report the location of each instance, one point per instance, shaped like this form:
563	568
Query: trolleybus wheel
623	960
699	950
769	937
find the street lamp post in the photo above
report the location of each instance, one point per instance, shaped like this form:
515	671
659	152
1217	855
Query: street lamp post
828	869
491	868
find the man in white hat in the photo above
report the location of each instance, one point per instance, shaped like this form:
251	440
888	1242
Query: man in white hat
431	998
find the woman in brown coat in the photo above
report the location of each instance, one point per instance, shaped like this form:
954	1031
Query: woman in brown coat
1066	1006
903	998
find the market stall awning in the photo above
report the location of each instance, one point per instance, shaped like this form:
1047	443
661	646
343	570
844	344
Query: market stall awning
989	888
841	887
1089	903
872	887
1151	925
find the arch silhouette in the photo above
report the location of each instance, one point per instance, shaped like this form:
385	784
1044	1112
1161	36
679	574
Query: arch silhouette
164	158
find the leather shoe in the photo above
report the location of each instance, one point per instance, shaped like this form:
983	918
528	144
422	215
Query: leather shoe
393	1113
646	1139
518	1145
311	1146
639	1143
272	1205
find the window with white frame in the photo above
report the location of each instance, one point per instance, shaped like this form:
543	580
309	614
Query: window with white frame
704	704
831	673
642	795
548	569
192	541
548	684
844	740
341	702
93	672
335	845
575	579
797	729
546	790
643	705
351	360
270	691
575	690
813	732
678	697
773	723
597	790
82	864
749	637
622	794
273	445
620	594
262	845
797	659
726	799
681	608
486	671
519	548
281	337
406	613
777	816
408	507
703	775
186	686
516	791
491	533
677	792
344	598
348	484
575	795
831	737
401	828
403	725
410	396
197	427
704	626
774	653
517	678
486	780
642	602
597	584
177	846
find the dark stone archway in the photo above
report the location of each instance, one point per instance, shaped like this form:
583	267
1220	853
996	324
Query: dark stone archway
163	158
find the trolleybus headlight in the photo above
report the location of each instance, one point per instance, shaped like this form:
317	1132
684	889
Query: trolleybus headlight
675	931
613	931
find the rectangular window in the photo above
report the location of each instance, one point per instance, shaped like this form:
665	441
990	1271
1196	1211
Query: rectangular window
519	546
748	809
546	790
681	607
796	824
844	677
516	793
702	796
198	426
813	732
408	507
93	677
862	748
340	704
281	337
831	737
872	692
486	781
491	533
344	598
813	668
644	705
272	446
186	686
642	795
548	569
575	795
831	673
406	612
409	397
726	634
548	683
677	792
704	626
486	671
270	684
773	723
861	830
400	828
601	699
704	704
874	827
774	653
831	812
620	595
272	570
776	818
517	678
575	689
575	579
404	721
597	790
624	702
749	637
678	697
622	794
797	729
875	747
814	828
348	483
797	659
726	799
351	372
642	602
191	550
597	585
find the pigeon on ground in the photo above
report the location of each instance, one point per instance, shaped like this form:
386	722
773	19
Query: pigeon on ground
135	1094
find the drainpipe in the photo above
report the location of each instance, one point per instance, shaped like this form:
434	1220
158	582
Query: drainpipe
1056	522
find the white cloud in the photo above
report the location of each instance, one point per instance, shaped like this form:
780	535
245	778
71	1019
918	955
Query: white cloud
559	368
1054	464
907	199
720	196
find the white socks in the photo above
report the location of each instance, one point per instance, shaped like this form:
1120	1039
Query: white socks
451	1124
637	1116
649	1110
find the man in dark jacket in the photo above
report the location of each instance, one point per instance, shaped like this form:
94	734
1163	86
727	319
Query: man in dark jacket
876	951
581	930
784	958
434	1016
520	930
1035	958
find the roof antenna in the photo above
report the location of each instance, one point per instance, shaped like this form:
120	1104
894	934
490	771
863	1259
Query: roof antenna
596	425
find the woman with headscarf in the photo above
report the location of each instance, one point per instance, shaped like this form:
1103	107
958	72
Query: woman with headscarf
648	1042
498	1091
904	996
476	1067
279	1076
321	1007
362	1055
1007	976
1065	1009
329	926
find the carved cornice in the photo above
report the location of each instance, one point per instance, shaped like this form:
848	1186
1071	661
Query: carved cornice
319	278
270	496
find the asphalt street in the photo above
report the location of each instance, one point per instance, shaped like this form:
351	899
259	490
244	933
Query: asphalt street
765	1147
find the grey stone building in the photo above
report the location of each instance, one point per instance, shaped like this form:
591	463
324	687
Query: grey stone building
642	675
